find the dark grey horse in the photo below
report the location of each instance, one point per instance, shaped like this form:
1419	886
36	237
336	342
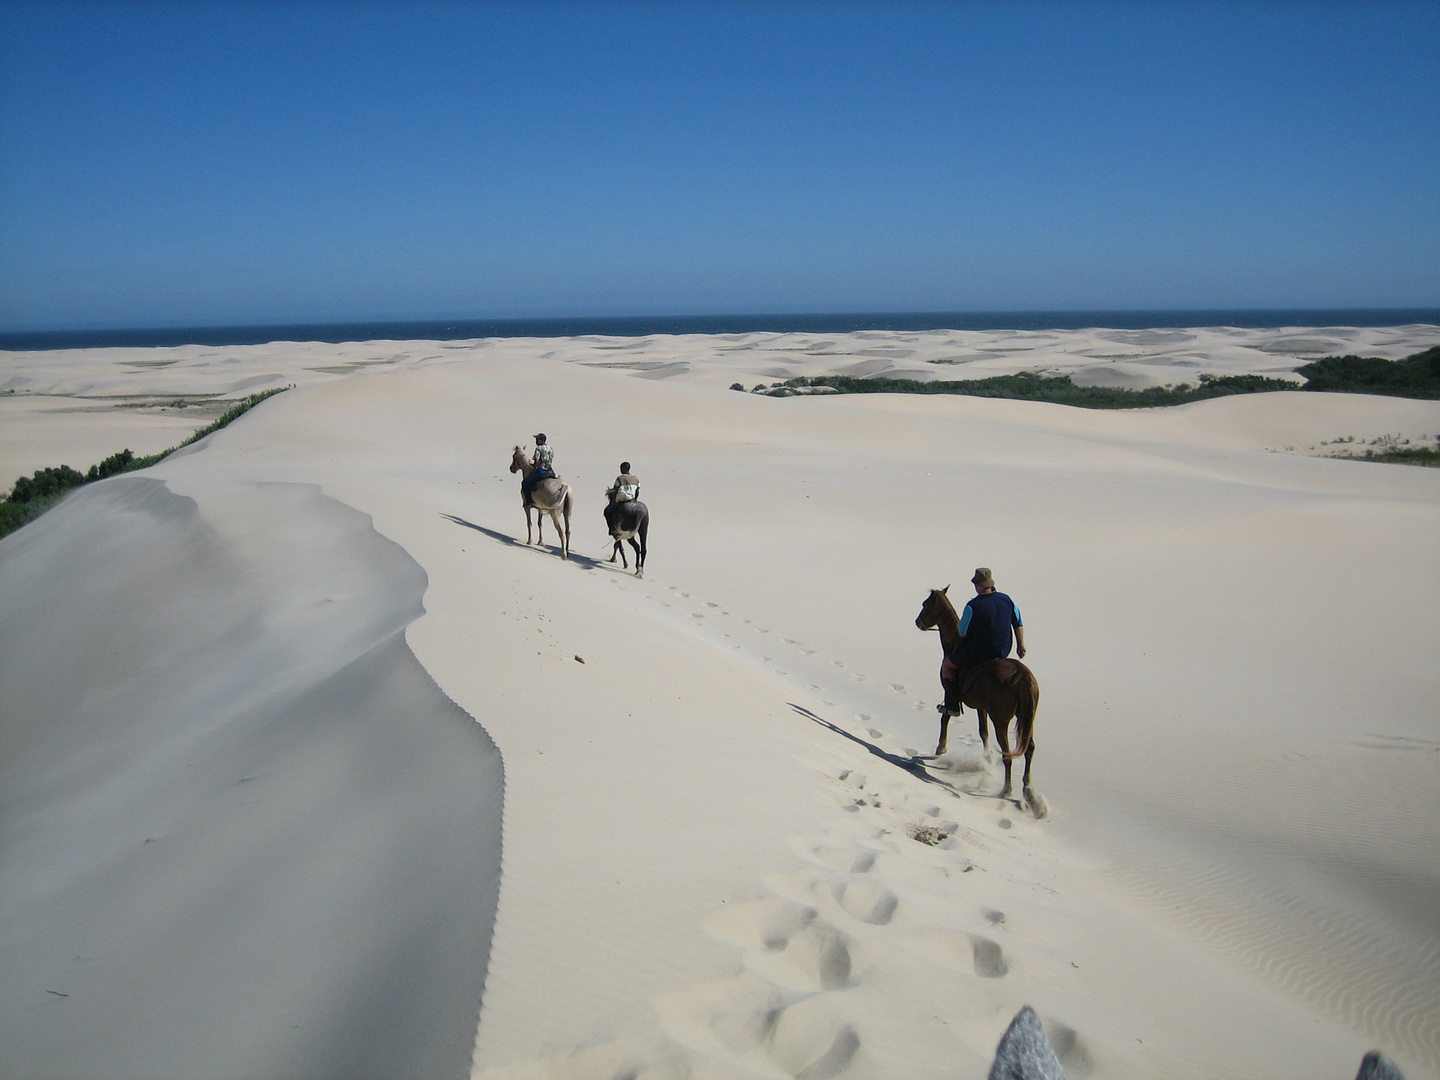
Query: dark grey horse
627	521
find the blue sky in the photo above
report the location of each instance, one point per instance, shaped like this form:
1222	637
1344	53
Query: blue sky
231	163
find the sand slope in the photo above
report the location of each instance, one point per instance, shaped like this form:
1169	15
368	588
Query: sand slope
708	862
244	833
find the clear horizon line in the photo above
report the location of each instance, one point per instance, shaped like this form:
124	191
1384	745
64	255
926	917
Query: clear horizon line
161	327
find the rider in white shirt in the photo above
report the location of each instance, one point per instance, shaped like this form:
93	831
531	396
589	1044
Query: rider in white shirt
626	487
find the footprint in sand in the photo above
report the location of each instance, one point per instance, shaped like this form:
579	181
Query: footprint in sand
867	900
958	951
989	958
786	943
809	1042
816	957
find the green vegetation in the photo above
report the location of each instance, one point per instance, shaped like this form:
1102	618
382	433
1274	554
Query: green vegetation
1390	450
1404	455
33	495
1416	376
1028	386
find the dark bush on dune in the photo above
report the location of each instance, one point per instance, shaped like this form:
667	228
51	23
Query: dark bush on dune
46	482
1416	376
1057	389
33	495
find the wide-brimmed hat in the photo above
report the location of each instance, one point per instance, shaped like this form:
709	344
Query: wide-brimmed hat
983	578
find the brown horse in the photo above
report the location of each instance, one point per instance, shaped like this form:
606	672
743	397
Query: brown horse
1000	690
550	496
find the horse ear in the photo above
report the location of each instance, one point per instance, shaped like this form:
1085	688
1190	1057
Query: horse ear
946	589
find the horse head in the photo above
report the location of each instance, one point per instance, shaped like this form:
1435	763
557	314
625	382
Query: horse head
930	611
518	460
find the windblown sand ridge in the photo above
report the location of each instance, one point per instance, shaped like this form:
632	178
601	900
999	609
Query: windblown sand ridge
722	854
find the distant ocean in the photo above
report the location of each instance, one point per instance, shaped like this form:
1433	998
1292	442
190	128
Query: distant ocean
643	326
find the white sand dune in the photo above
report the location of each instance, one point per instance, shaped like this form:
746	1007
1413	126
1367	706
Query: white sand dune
713	777
244	833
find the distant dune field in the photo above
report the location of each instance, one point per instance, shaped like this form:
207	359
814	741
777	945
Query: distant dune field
312	766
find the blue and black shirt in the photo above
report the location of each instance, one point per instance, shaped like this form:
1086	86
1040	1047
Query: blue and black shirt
986	623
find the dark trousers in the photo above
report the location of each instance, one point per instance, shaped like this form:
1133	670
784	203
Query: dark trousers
528	484
956	678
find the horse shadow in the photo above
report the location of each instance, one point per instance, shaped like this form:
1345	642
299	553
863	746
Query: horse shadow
915	766
912	765
512	541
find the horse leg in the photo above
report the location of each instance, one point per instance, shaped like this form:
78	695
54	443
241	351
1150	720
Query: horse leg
1002	740
985	733
528	533
644	545
620	550
565	538
639	557
944	732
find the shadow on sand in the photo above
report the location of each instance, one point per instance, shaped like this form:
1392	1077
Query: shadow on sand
915	766
548	550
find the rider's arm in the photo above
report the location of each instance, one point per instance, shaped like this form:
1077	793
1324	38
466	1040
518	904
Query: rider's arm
1020	642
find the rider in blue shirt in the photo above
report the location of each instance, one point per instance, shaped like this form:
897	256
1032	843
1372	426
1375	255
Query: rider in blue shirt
986	626
988	619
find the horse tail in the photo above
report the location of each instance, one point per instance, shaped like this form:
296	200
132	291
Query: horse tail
1029	701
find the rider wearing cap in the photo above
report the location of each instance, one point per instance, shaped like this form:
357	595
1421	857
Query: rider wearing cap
543	464
986	625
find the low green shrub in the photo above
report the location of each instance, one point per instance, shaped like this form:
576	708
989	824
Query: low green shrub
1415	376
33	495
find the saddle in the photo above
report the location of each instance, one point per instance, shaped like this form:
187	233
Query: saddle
963	676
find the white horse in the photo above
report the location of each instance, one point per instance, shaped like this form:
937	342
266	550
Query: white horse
550	496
